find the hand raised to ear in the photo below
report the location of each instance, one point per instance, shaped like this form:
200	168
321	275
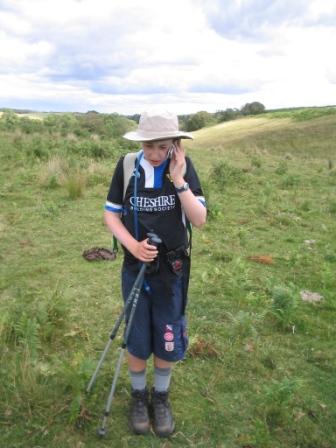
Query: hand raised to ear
178	163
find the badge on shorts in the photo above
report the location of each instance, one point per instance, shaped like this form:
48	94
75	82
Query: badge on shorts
169	346
168	336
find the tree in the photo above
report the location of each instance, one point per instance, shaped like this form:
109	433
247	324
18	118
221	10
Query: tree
227	114
9	119
253	108
116	125
199	120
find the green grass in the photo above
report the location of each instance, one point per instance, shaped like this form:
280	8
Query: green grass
302	114
260	371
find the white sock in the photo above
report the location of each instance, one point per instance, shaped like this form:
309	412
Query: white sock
138	379
162	379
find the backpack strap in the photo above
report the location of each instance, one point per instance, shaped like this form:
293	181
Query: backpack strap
189	229
128	166
128	169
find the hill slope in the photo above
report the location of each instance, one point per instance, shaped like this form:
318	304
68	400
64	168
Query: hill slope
314	137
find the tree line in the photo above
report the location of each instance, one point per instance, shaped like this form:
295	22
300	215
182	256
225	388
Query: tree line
112	125
202	119
79	124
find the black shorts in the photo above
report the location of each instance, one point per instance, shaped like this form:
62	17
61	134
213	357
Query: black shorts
159	324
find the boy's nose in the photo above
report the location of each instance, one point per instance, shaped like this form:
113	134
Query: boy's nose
156	152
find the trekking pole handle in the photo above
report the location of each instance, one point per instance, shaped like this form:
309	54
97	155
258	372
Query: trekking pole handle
153	239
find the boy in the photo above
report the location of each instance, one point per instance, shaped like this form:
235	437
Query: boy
162	195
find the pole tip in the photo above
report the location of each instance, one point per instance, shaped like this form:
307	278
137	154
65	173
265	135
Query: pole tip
101	432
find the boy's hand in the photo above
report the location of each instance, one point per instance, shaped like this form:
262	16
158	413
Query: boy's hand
177	164
145	252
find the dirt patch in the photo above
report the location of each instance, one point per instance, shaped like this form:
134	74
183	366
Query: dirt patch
263	259
99	253
203	349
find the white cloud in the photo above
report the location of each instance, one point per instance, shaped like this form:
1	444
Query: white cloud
16	54
11	23
320	10
188	54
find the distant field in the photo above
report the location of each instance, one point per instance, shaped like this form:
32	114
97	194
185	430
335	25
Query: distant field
33	115
260	371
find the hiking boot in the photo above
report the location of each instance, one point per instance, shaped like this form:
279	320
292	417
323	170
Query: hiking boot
163	419
139	419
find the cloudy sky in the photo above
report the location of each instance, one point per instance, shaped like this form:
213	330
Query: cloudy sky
186	55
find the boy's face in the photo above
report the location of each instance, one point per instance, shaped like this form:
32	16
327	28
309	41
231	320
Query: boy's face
156	152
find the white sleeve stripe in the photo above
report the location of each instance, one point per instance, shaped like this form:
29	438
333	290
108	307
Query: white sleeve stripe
113	205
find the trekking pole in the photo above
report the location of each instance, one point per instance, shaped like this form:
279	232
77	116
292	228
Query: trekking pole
155	241
115	329
101	432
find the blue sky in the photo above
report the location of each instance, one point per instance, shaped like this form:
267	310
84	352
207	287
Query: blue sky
184	55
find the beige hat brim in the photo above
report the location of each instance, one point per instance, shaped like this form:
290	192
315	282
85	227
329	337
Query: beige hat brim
138	136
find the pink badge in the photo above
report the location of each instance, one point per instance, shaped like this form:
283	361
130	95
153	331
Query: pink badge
169	346
168	336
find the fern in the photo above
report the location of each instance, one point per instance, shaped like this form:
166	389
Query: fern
74	408
4	326
27	333
284	305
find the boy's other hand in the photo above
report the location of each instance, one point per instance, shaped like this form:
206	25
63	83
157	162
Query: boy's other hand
145	252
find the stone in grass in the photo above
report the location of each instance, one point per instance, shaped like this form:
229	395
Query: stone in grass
309	244
308	296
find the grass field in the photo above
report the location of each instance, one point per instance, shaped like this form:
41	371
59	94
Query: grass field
260	370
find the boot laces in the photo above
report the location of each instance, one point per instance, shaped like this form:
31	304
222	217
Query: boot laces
139	401
161	403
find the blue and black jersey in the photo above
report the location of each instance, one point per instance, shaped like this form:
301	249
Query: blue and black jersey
158	206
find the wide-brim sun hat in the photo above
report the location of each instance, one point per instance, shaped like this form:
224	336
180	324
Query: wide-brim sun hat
157	126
